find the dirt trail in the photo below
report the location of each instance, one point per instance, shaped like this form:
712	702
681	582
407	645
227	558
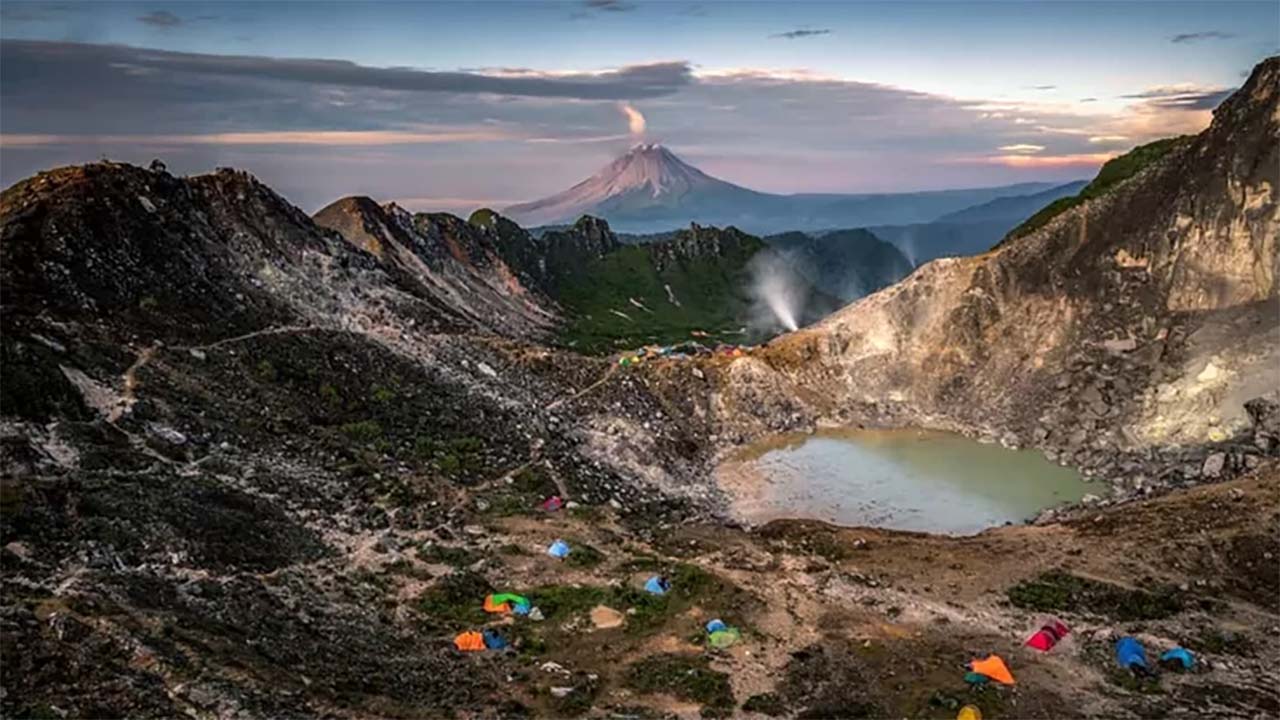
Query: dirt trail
584	391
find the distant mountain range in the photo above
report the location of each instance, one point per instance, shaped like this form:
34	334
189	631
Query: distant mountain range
650	189
972	230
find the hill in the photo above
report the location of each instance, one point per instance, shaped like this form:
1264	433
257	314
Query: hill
972	230
847	264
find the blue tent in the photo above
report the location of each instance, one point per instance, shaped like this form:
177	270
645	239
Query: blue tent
493	640
716	625
1179	656
657	585
558	549
1130	654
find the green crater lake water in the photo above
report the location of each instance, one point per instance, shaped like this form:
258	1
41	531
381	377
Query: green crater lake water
898	479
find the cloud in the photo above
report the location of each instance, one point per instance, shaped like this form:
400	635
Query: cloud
334	138
1021	148
1195	37
160	19
609	5
59	61
1088	99
1044	87
13	12
1181	97
1080	161
320	129
801	33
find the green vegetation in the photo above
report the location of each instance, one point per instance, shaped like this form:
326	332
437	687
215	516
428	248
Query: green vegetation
710	290
583	555
364	431
329	394
687	677
265	371
456	601
561	601
1059	591
454	456
482	217
690	586
1114	172
527	490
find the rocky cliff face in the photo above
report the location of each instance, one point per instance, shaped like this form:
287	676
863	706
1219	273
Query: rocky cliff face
457	264
1143	319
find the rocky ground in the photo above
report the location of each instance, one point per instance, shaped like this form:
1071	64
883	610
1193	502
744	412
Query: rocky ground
248	470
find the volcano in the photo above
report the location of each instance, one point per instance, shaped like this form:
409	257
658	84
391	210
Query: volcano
650	189
648	186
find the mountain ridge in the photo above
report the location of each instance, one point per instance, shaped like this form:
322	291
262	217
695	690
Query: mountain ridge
650	189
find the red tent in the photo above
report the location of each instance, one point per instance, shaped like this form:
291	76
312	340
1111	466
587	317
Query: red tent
1048	635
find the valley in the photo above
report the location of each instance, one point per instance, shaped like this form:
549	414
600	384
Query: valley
260	463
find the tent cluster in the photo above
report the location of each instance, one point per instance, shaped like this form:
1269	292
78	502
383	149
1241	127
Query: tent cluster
472	641
720	635
1132	656
680	351
506	603
489	638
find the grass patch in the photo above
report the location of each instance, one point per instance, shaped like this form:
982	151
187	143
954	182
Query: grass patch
526	492
691	586
561	601
1059	591
582	555
687	677
711	290
364	431
1114	172
456	601
454	456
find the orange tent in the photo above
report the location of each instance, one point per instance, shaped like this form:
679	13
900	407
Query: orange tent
993	667
494	607
469	641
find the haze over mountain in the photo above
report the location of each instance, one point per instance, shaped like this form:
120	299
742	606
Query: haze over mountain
650	189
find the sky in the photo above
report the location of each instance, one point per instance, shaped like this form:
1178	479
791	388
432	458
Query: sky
453	106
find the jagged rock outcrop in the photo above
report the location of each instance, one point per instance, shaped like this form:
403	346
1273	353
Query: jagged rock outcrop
1142	319
456	263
